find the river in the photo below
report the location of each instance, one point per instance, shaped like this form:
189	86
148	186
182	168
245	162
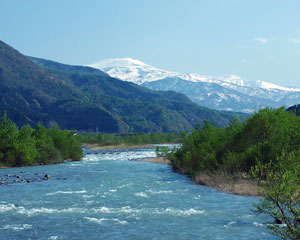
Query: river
109	195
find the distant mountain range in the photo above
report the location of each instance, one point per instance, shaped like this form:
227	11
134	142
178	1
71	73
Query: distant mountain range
36	90
226	93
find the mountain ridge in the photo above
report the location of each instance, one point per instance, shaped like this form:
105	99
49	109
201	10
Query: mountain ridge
230	89
38	90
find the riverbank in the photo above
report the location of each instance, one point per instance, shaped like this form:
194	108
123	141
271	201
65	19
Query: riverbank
239	184
160	160
105	194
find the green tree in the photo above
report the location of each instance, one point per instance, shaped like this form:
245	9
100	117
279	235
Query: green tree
46	151
8	141
60	141
280	188
26	152
74	146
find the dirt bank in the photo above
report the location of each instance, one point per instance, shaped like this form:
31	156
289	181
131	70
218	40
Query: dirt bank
239	184
160	160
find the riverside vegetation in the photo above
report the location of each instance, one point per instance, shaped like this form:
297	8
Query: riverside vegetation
109	139
266	147
28	146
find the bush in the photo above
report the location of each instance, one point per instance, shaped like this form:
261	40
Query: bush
240	146
280	188
29	146
267	146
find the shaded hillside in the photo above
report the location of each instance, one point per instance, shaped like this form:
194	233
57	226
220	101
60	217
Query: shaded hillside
88	99
30	94
142	109
223	93
295	109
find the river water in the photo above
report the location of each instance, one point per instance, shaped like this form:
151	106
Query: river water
108	195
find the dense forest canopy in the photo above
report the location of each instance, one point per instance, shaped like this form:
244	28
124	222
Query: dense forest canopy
265	147
27	146
104	139
262	138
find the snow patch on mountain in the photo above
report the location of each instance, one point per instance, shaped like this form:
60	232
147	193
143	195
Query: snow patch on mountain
135	71
132	70
230	92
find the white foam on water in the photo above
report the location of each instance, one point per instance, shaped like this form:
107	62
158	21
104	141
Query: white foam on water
101	220
112	190
6	208
118	156
33	211
141	194
197	197
16	227
88	196
91	158
103	210
160	191
53	238
66	192
247	216
119	221
96	220
134	211
77	164
188	212
229	224
258	224
126	209
124	185
179	212
89	202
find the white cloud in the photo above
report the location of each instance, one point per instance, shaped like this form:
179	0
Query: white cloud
260	40
295	40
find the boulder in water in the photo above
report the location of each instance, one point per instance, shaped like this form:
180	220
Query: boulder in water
47	176
278	221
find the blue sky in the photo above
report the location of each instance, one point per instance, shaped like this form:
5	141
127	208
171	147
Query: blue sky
255	39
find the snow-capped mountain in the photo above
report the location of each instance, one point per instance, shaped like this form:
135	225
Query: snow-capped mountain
231	93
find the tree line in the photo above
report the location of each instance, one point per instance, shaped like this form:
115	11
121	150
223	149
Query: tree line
266	147
105	139
27	146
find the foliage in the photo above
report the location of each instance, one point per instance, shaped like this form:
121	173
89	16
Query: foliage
27	146
240	146
8	140
105	139
162	151
280	186
267	146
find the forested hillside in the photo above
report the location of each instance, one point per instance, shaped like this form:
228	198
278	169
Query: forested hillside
295	109
141	109
36	90
29	94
